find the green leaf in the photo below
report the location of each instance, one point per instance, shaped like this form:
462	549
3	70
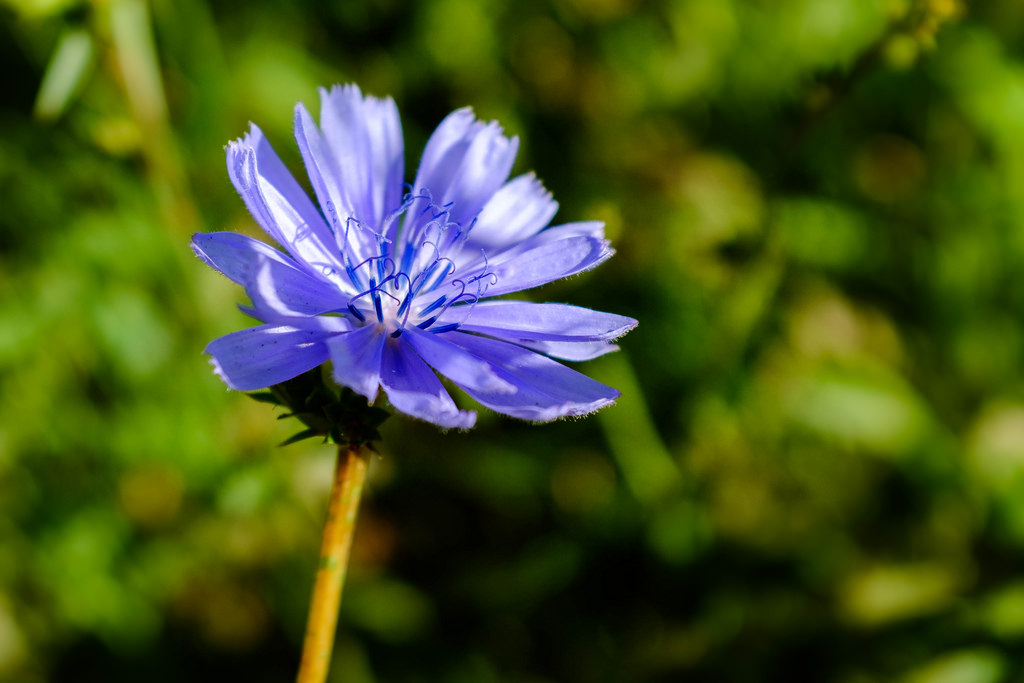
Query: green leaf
66	74
304	434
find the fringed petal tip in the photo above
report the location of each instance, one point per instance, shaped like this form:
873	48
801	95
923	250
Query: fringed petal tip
340	89
218	370
196	245
462	420
627	327
242	146
570	410
545	414
462	115
353	92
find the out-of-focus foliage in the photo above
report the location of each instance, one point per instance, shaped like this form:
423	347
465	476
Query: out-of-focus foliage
816	471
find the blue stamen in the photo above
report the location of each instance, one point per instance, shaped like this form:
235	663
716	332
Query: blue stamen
376	301
428	272
404	306
448	268
357	313
444	328
435	305
407	257
353	277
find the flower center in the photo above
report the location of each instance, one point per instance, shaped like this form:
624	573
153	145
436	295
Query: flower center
410	279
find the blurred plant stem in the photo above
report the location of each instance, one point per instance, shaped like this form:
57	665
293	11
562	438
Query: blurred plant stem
339	528
647	467
132	34
912	31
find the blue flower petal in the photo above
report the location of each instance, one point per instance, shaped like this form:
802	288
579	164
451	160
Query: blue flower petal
514	320
517	211
365	138
555	233
454	363
354	238
547	263
321	168
412	388
464	163
272	280
546	389
576	351
278	202
262	356
356	357
594	229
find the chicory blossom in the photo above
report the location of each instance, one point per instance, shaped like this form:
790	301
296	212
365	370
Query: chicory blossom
392	283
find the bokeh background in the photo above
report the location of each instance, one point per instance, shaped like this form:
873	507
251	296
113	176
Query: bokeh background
816	471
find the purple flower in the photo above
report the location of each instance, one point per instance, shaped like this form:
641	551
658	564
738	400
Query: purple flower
391	286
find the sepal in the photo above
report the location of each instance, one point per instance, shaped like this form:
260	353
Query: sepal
328	411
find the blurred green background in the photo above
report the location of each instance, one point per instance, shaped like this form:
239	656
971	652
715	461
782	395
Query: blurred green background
816	471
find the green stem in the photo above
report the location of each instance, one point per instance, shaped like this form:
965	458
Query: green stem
337	540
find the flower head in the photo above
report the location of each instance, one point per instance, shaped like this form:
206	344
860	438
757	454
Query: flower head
392	283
